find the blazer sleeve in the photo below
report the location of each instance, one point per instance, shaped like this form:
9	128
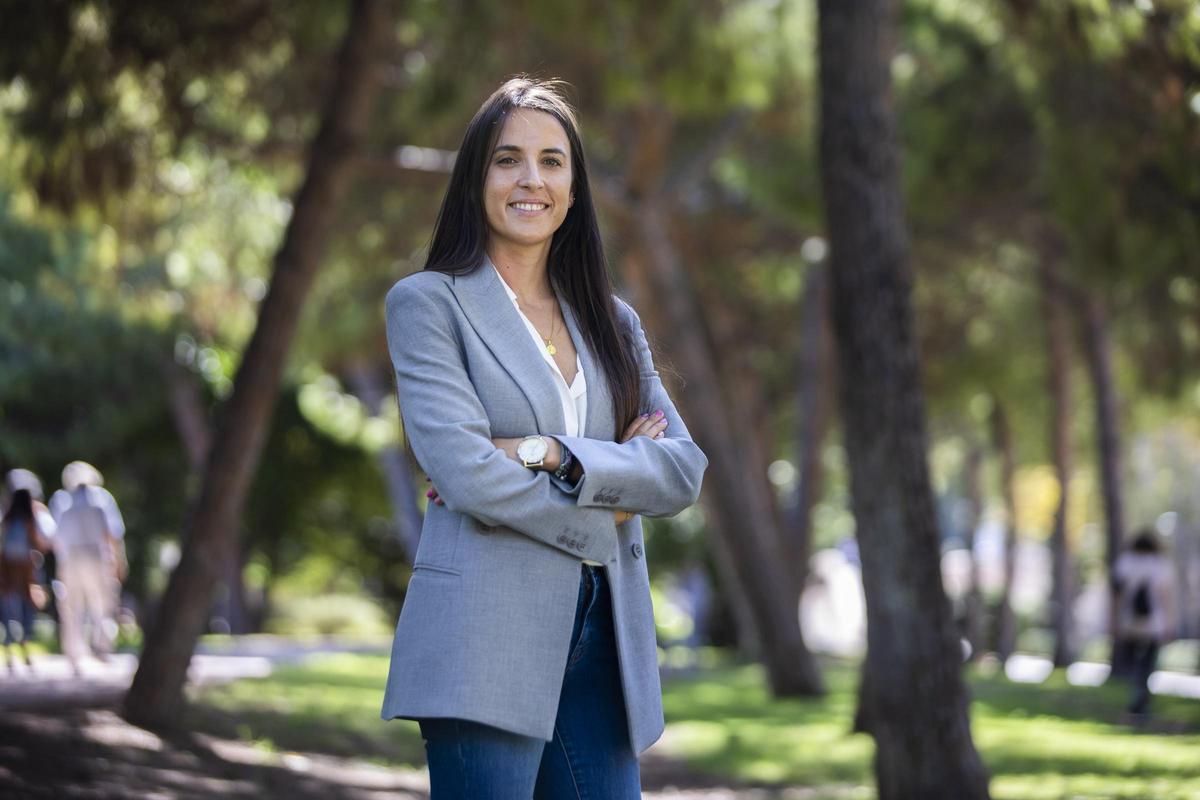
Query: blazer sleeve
651	477
450	435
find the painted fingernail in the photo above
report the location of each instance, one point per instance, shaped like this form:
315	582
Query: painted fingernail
429	493
658	413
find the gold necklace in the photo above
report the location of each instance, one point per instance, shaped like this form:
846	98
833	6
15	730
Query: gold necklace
549	340
550	348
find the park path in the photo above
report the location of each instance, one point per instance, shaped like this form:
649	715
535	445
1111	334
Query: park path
61	737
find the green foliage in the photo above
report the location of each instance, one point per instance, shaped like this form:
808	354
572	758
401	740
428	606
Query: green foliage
175	136
350	615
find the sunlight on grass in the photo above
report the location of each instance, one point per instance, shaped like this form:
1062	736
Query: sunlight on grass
328	704
1055	742
1050	742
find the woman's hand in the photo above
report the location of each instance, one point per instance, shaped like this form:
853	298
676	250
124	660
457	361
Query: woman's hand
652	426
432	494
622	516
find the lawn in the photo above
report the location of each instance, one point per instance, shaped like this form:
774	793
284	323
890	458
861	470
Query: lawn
1047	742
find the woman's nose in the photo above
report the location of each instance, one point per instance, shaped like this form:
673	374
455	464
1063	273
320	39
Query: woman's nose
531	177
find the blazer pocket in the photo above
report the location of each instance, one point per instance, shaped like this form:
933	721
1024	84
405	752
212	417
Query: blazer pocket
434	571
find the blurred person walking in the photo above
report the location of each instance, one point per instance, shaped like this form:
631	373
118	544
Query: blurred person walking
1146	615
87	567
25	479
20	540
81	473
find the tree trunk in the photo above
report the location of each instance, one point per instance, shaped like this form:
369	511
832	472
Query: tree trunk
737	488
913	699
1062	593
1099	349
188	413
814	377
156	696
397	471
236	615
973	607
191	422
1006	620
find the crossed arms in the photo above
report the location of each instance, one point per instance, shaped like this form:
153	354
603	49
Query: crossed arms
475	475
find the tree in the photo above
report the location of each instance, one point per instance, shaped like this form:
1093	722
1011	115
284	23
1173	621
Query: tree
211	533
1058	379
1002	443
912	698
748	518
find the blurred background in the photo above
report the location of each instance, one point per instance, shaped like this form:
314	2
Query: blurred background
165	166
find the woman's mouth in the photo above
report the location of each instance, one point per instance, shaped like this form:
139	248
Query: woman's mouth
529	208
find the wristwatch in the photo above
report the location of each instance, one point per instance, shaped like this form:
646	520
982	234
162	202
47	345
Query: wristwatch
532	451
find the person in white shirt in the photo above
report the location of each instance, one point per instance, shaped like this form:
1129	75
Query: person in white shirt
1146	615
81	473
86	553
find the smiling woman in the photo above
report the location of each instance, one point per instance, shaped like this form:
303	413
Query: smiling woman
528	188
526	645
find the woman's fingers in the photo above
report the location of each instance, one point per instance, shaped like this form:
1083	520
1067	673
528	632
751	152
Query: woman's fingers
649	425
434	497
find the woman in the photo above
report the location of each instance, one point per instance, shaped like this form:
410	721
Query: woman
20	539
526	644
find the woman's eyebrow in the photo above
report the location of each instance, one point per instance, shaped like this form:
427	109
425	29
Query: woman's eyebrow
512	148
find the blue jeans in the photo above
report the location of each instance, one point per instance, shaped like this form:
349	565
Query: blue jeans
590	755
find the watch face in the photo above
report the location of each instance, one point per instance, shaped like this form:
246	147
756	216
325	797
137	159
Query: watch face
532	449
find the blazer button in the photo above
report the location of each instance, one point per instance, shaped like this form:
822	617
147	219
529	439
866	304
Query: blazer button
562	538
637	550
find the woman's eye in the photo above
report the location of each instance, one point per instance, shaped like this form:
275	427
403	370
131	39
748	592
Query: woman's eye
506	160
552	162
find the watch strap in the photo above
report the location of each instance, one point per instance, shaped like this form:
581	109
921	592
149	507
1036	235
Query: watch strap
565	464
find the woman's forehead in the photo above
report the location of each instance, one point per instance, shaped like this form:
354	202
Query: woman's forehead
533	129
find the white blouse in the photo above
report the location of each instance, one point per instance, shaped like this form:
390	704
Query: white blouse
574	397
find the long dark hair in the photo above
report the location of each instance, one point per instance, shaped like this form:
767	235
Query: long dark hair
20	506
577	267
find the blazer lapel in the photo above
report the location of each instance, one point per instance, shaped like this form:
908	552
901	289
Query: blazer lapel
499	324
599	423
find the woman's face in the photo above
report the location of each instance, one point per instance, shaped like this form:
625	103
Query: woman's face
527	190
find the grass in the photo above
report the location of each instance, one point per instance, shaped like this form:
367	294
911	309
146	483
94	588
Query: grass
329	704
1047	742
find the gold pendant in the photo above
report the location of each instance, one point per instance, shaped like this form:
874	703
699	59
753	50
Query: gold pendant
550	348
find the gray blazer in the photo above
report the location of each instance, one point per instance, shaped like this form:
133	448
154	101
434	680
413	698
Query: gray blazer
486	624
